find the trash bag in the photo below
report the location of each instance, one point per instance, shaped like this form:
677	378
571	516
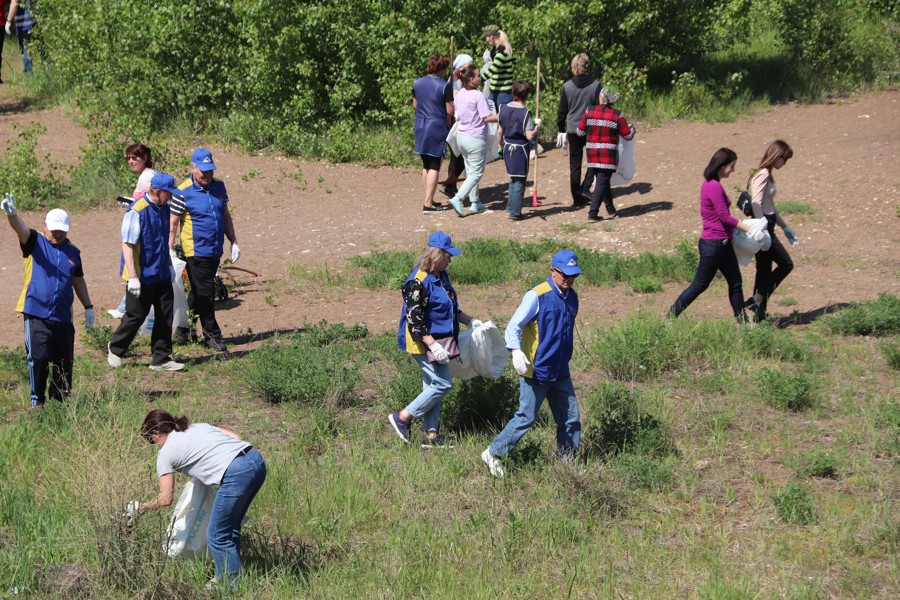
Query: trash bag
146	327
482	351
186	536
180	304
745	247
625	169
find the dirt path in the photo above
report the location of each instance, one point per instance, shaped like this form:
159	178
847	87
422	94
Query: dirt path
286	211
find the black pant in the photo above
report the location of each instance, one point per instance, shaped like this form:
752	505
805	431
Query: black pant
49	343
767	280
160	297
602	191
715	255
202	276
576	153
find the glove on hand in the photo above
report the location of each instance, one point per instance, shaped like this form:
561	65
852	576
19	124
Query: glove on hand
758	236
89	318
560	140
520	361
134	287
9	28
791	236
440	355
475	324
9	205
537	122
235	252
132	511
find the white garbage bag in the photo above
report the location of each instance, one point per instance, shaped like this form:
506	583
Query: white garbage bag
180	304
482	351
146	327
745	244
186	536
625	169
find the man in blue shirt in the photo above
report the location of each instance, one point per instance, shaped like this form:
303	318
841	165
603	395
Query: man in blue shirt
540	335
147	268
53	277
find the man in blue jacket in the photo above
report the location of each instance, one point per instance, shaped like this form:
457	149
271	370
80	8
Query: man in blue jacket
540	335
147	268
53	277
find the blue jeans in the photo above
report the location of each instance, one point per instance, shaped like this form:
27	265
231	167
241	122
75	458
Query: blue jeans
243	478
516	193
436	384
24	38
499	98
715	255
560	396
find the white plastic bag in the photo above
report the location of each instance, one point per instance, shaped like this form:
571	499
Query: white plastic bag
745	247
146	327
186	536
451	139
179	305
482	351
625	169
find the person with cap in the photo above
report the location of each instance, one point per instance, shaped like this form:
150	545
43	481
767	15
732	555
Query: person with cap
456	164
540	336
603	125
200	210
432	99
147	269
500	72
53	277
578	95
429	330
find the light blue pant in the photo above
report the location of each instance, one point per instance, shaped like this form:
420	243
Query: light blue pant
560	396
436	383
473	152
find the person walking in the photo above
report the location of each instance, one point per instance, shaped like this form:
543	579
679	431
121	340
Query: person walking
432	98
429	330
53	277
500	71
455	165
200	211
20	21
214	456
148	272
578	95
763	191
540	336
473	116
516	130
716	250
602	126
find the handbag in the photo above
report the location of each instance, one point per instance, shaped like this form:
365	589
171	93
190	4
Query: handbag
744	203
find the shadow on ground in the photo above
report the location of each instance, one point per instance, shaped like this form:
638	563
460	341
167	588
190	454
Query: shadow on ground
805	318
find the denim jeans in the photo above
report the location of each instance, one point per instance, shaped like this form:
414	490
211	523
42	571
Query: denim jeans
436	383
473	152
243	478
715	255
516	193
500	98
24	38
560	396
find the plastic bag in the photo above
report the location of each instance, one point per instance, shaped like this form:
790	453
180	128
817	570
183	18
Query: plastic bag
186	536
180	304
745	247
625	169
482	351
146	327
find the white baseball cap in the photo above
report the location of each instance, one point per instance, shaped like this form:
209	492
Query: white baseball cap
57	220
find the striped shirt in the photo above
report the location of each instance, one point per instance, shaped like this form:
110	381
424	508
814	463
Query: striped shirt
501	71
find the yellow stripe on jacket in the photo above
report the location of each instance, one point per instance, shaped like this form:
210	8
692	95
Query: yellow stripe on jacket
531	335
20	305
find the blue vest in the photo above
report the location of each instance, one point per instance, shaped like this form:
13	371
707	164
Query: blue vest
440	314
48	293
203	223
430	126
151	253
548	340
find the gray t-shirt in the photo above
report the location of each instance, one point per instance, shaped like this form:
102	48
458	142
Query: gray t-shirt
202	452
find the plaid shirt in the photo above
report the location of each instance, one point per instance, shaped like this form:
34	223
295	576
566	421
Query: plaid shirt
603	125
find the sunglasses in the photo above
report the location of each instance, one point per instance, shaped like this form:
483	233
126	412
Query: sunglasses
564	276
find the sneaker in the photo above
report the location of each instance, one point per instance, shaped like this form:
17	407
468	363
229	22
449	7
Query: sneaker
169	365
449	190
613	215
438	442
217	345
516	217
183	335
596	219
493	464
432	210
476	208
114	361
400	426
457	206
115	313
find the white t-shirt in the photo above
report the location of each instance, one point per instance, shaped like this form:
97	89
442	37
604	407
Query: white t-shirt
143	183
202	452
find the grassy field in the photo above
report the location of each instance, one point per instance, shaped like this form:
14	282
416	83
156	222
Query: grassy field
716	462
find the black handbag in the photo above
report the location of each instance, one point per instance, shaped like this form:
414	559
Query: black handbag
744	201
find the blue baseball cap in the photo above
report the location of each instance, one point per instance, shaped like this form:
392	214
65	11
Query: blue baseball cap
567	262
441	240
203	159
164	182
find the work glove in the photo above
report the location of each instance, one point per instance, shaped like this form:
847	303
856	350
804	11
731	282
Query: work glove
9	205
520	361
132	511
537	122
440	355
89	317
134	287
758	235
560	140
235	252
9	28
790	235
475	324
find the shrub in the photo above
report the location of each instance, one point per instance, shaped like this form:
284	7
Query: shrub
646	472
890	349
480	404
646	285
794	505
31	180
636	349
617	424
97	337
880	317
785	391
816	463
385	269
13	367
767	341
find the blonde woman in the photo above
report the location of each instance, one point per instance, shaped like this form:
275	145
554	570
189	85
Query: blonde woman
500	73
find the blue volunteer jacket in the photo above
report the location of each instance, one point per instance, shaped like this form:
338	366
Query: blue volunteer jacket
440	315
547	340
203	220
47	291
151	252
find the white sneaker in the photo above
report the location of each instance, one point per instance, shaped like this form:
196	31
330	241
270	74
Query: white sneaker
114	361
492	463
168	366
115	313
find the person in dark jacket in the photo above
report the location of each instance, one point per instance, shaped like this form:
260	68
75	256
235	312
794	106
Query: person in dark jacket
578	95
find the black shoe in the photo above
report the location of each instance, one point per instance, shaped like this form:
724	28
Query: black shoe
217	345
430	210
613	215
596	219
182	335
449	190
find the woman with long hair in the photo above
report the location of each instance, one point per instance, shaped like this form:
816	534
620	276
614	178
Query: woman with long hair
500	72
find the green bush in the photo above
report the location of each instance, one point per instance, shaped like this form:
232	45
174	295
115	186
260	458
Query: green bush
890	349
32	180
480	404
618	424
794	505
13	367
646	472
97	337
635	349
880	317
767	341
816	463
785	390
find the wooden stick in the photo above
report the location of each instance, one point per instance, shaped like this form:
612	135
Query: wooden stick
452	42
537	114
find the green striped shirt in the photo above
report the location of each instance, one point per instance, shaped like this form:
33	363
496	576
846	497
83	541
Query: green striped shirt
500	72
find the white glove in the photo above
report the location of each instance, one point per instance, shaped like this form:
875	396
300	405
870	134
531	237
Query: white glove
132	511
758	235
172	256
537	122
520	361
791	236
475	324
9	205
134	287
9	29
235	252
89	317
560	140
440	354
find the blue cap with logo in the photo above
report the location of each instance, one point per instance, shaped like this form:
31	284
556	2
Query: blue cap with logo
441	240
164	182
203	159
567	262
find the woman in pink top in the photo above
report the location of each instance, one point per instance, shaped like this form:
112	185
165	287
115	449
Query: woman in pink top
716	251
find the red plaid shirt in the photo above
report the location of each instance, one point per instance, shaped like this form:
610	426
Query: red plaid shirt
603	125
